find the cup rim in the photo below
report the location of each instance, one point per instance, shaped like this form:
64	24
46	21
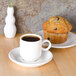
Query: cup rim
31	35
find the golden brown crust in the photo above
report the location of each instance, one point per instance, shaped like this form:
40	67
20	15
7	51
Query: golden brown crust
57	24
55	38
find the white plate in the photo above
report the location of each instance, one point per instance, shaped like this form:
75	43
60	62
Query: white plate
14	56
71	41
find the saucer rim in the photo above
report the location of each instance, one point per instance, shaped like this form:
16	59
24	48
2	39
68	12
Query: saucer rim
25	64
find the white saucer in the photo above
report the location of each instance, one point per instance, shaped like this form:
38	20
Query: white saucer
16	58
71	41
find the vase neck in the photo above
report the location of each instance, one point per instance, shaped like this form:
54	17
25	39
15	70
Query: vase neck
10	10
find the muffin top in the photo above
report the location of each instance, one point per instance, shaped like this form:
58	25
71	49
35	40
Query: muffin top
57	24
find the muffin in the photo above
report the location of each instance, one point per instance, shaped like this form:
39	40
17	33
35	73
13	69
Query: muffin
56	29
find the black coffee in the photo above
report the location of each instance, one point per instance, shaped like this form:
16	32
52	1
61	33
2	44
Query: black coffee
30	38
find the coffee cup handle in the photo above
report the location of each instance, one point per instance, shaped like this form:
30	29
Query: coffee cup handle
49	46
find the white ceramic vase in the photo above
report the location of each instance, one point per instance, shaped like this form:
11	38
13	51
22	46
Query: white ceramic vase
10	28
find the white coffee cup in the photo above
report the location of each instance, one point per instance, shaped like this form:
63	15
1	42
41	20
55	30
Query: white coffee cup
31	51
